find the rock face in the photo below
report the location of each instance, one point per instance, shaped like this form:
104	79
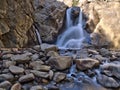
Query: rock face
15	21
49	15
104	23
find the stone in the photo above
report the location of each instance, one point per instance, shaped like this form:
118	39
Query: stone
111	69
86	63
39	87
40	74
16	70
26	78
23	58
59	77
101	58
7	64
47	47
108	82
8	77
39	66
34	57
6	85
37	47
60	62
7	56
52	54
105	52
16	86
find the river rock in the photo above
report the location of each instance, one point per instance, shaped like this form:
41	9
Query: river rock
39	87
8	77
101	58
60	62
111	69
26	78
7	64
51	74
23	58
86	63
37	47
47	47
16	86
59	77
105	52
34	57
16	70
107	81
6	85
52	54
40	74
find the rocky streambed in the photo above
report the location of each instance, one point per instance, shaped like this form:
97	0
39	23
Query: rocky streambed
45	67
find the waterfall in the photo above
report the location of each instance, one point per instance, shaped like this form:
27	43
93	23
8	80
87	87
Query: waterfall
73	36
37	33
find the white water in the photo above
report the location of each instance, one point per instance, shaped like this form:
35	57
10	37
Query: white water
73	35
38	35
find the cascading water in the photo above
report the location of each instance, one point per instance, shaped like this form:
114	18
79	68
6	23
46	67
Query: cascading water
73	35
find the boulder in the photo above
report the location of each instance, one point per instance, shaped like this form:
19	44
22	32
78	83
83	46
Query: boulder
39	87
107	81
86	63
59	77
60	62
111	69
16	86
6	85
26	78
23	58
16	70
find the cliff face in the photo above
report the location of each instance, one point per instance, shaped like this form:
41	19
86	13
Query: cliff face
15	21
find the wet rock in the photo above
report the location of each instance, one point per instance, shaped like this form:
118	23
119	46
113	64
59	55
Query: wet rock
60	62
111	69
86	63
53	88
107	81
26	78
7	56
16	70
92	51
8	77
36	88
23	58
16	86
59	77
40	74
47	47
6	85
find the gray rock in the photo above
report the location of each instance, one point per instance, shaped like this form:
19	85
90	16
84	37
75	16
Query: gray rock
107	81
105	52
6	85
26	78
86	63
40	74
51	74
36	88
59	77
35	57
37	65
47	47
37	47
16	86
23	58
16	70
111	69
7	64
8	77
52	54
101	58
60	62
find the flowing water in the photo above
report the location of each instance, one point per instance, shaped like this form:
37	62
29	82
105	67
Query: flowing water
74	34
